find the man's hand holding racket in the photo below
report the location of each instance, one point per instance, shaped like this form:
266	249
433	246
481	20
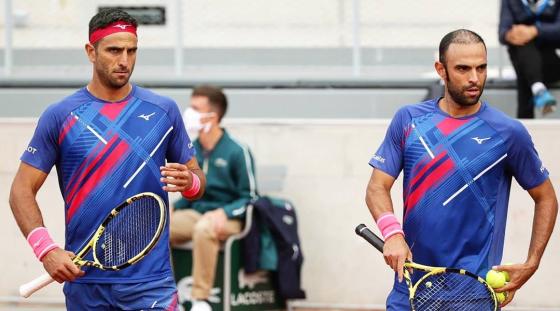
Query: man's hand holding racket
396	253
111	245
60	266
439	288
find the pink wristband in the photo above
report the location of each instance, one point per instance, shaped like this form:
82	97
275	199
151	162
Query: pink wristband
41	242
391	233
389	225
195	187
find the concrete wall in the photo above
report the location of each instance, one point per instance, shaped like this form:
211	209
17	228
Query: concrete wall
256	103
339	267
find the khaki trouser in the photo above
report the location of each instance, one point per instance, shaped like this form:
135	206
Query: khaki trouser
187	225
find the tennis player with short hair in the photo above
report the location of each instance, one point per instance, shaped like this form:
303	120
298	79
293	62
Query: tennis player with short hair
458	155
109	141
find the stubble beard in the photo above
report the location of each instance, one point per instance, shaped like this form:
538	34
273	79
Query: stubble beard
110	82
458	96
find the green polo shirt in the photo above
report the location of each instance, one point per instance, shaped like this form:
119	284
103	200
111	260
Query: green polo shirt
230	178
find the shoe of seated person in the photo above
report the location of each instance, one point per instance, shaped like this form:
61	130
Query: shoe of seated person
545	101
201	305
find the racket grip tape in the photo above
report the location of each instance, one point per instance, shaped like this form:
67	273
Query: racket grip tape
29	288
369	236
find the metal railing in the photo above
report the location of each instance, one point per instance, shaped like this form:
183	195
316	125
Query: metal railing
370	30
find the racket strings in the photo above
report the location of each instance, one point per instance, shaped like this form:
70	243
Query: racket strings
452	291
129	233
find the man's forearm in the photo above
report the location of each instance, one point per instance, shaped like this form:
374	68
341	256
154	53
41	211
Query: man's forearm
25	209
543	225
378	200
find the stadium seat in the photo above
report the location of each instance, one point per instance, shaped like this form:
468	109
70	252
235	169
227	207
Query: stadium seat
233	288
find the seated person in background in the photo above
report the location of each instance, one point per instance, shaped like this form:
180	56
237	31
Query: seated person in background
531	31
229	170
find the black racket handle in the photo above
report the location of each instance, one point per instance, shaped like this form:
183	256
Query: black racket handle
369	236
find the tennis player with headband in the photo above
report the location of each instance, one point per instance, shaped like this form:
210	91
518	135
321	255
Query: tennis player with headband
109	141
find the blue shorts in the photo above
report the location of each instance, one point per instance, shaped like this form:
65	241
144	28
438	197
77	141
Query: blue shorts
397	301
152	295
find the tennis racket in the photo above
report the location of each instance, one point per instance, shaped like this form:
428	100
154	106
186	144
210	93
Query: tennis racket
441	288
126	236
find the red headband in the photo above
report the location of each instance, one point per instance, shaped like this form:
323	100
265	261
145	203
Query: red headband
110	29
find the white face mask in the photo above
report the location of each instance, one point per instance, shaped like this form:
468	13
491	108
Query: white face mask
191	118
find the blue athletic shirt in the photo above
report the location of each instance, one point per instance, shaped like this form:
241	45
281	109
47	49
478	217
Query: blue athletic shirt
457	179
106	152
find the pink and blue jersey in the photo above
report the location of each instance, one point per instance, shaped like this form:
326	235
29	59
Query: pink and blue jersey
104	153
457	179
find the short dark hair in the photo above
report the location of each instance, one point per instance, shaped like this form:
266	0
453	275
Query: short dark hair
216	97
459	36
108	16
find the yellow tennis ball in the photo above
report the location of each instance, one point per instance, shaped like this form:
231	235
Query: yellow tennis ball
506	275
495	279
501	297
